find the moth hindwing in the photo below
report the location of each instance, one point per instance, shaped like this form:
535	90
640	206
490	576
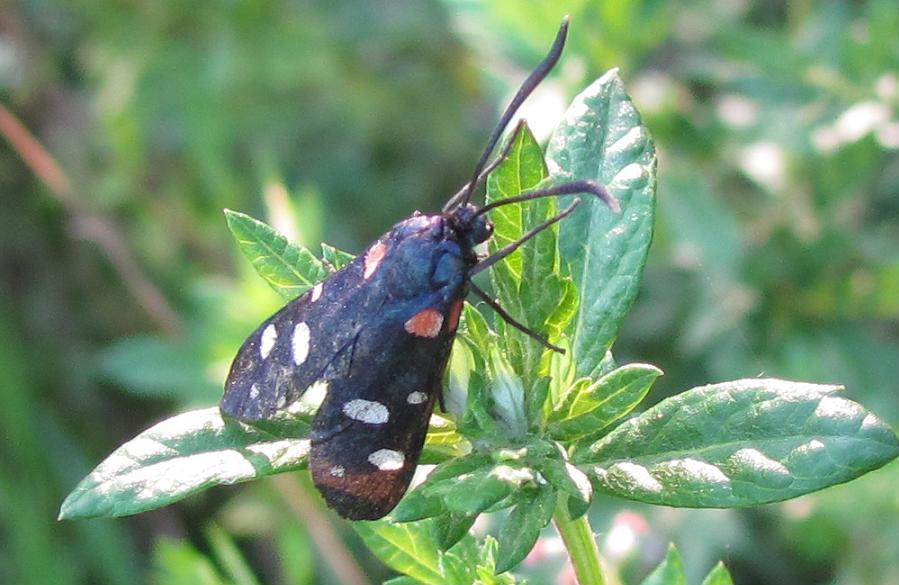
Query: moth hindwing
375	337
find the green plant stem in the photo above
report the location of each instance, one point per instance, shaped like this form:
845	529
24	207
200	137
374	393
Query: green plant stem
578	538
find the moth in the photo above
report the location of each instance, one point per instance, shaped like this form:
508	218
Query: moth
376	337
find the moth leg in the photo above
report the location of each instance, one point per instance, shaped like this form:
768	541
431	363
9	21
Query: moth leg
511	320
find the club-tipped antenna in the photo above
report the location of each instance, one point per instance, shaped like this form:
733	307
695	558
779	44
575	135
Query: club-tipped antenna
587	187
529	85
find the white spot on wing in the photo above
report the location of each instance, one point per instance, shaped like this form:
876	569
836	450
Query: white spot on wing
254	392
337	471
300	343
387	459
416	397
367	411
267	343
317	291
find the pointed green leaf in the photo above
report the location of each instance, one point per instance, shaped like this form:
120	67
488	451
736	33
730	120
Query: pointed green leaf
522	170
474	326
527	282
229	556
567	478
566	304
456	569
602	139
417	505
590	408
535	403
443	440
402	580
182	456
452	527
460	466
408	548
475	492
669	572
477	420
521	529
335	258
507	392
288	268
576	507
739	443
176	562
718	576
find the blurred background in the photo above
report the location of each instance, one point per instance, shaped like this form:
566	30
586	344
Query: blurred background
128	126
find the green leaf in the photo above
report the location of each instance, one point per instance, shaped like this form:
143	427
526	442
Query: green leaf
402	580
417	504
474	326
178	563
459	466
182	456
576	507
335	258
522	170
475	492
507	391
602	139
567	478
408	548
486	566
589	408
229	556
427	500
719	575
527	281
296	553
565	309
561	369
286	267
443	440
535	403
477	419
451	527
521	529
740	443
669	572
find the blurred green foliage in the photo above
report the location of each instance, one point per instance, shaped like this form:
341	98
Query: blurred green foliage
776	251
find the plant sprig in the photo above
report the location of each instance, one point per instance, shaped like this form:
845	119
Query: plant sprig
531	431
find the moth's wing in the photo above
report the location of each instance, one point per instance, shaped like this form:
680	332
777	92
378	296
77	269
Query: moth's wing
292	349
368	433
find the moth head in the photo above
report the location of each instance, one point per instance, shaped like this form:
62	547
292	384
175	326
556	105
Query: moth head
474	228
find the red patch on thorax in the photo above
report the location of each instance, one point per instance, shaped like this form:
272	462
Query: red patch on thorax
453	321
373	258
426	323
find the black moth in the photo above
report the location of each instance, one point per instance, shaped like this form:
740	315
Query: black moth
376	336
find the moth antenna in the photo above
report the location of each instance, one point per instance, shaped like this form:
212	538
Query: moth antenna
511	320
557	191
529	85
509	248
